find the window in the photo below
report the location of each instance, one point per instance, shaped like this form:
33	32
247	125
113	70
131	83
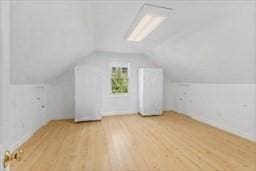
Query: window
119	79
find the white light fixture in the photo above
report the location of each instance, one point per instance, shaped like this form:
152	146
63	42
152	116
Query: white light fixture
146	25
149	18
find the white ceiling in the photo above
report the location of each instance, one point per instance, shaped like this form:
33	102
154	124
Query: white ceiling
221	52
209	42
48	37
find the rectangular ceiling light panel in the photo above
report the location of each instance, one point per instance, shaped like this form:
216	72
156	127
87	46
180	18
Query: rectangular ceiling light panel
149	18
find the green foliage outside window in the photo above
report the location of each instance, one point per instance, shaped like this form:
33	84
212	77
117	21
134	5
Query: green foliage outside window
119	79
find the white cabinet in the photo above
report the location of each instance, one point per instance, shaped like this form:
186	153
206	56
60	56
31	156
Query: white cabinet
150	91
88	94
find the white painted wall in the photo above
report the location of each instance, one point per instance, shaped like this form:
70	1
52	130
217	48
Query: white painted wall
60	97
227	106
47	37
19	112
4	77
1	84
25	112
122	104
169	95
61	92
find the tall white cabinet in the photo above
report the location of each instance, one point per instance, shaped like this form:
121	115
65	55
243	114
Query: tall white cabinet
150	91
88	93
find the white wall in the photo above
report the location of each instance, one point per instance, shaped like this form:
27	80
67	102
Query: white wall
60	97
47	37
4	77
19	114
227	106
26	114
122	104
169	96
61	91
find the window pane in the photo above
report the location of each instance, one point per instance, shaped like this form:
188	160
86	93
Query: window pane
119	80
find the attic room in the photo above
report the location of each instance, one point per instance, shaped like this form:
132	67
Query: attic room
127	85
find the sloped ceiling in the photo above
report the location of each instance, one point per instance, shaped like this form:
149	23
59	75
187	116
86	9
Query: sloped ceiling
221	50
204	42
47	37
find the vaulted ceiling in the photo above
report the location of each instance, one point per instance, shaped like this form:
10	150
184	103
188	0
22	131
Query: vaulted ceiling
46	37
205	42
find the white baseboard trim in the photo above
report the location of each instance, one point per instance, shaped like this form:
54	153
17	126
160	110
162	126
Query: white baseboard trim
88	118
225	128
22	140
60	118
118	113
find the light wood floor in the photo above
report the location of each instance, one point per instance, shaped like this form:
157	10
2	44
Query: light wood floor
171	142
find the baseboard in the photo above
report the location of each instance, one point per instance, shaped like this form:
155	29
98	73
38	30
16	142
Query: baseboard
103	115
151	114
225	128
22	140
118	113
169	111
60	118
88	118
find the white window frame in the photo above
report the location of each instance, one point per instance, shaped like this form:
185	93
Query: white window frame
118	64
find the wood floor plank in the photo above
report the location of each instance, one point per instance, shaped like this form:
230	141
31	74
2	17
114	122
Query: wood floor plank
171	142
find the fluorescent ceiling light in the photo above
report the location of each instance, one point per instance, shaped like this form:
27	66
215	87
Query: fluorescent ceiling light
145	26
